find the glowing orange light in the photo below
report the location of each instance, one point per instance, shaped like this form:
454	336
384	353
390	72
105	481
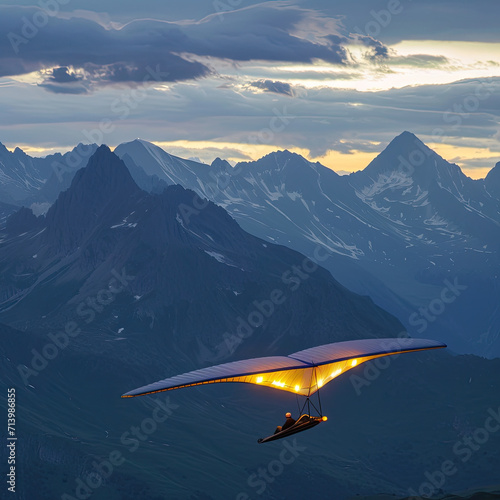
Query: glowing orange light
325	418
297	388
260	379
354	362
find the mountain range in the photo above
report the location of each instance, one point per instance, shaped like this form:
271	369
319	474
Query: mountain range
399	231
104	221
396	232
115	287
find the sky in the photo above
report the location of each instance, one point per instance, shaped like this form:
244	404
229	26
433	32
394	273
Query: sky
333	80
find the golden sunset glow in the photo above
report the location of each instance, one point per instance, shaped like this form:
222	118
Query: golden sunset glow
207	151
461	155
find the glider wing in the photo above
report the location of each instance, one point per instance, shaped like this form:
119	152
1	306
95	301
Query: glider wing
302	372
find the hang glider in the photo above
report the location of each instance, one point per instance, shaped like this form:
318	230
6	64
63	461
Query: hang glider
303	423
302	373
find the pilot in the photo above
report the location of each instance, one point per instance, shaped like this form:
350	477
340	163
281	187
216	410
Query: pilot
289	422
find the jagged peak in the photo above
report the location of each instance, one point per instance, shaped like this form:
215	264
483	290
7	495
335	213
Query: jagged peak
81	145
277	159
492	181
406	152
494	172
105	172
104	184
139	142
103	153
285	153
103	149
407	140
220	163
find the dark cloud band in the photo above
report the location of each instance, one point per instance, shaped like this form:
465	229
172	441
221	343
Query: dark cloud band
31	39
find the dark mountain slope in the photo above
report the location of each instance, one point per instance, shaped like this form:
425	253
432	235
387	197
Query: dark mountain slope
398	231
194	265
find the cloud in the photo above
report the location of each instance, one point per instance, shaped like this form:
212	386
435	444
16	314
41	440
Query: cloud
422	20
64	89
378	49
316	119
207	154
476	163
350	146
443	20
382	54
62	80
419	60
63	75
104	56
267	32
276	87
